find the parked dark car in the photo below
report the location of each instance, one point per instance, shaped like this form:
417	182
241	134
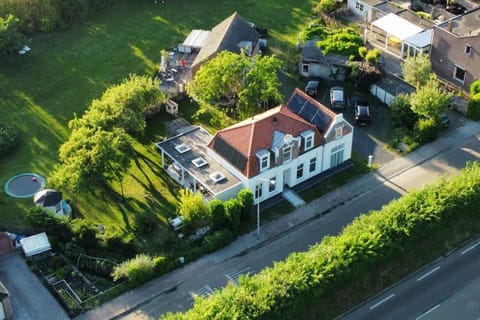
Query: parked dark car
362	113
312	88
337	98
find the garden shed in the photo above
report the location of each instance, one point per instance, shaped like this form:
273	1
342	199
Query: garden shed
388	87
35	244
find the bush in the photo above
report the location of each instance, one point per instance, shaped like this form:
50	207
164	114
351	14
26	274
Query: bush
362	52
137	270
117	246
402	114
372	56
475	88
58	228
425	130
8	139
325	6
145	222
365	74
85	234
245	199
474	107
217	240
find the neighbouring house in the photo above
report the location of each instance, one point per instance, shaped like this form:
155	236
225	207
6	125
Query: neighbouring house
455	53
267	153
52	201
314	64
398	35
233	34
6	312
387	88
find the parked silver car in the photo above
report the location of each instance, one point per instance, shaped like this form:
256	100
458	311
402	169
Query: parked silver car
337	98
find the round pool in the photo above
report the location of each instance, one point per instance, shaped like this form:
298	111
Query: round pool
24	185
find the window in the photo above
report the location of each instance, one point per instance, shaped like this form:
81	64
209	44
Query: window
305	68
300	171
264	163
313	164
258	190
307	139
272	185
468	49
459	74
309	143
359	6
287	153
336	155
338	132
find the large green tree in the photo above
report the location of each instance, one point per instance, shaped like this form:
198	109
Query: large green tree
92	157
429	100
239	83
417	70
11	39
123	105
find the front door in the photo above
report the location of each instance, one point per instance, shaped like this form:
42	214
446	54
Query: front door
286	177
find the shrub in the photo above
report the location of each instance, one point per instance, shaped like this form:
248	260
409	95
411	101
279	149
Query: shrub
425	130
474	107
145	222
57	228
365	74
11	40
245	199
402	114
217	209
118	246
372	56
217	240
85	234
475	88
325	6
8	139
193	210
362	52
137	270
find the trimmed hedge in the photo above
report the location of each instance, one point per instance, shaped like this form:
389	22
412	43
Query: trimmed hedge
297	286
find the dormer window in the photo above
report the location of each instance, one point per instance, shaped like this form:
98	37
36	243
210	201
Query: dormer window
287	153
468	49
307	139
263	156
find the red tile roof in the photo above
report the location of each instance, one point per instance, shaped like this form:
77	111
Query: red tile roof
249	136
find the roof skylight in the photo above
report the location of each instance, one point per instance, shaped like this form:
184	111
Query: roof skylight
182	148
199	162
217	177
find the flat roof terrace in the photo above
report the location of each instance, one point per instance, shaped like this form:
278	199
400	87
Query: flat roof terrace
189	151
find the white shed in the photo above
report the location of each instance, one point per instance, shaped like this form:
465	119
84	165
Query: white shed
35	244
388	87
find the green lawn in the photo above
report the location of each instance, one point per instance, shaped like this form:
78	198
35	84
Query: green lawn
43	90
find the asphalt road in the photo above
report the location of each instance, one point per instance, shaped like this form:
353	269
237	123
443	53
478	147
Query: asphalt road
300	238
420	296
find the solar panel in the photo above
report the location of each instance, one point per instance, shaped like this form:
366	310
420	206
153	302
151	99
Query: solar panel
229	153
308	111
320	120
296	103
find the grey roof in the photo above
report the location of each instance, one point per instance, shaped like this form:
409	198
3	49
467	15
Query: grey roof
388	7
226	36
466	25
394	85
420	40
197	139
412	17
312	53
47	197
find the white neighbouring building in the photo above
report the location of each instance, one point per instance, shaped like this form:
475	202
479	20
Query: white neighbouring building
279	148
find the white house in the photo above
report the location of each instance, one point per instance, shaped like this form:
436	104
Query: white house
279	148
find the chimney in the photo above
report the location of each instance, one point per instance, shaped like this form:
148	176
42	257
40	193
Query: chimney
449	25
